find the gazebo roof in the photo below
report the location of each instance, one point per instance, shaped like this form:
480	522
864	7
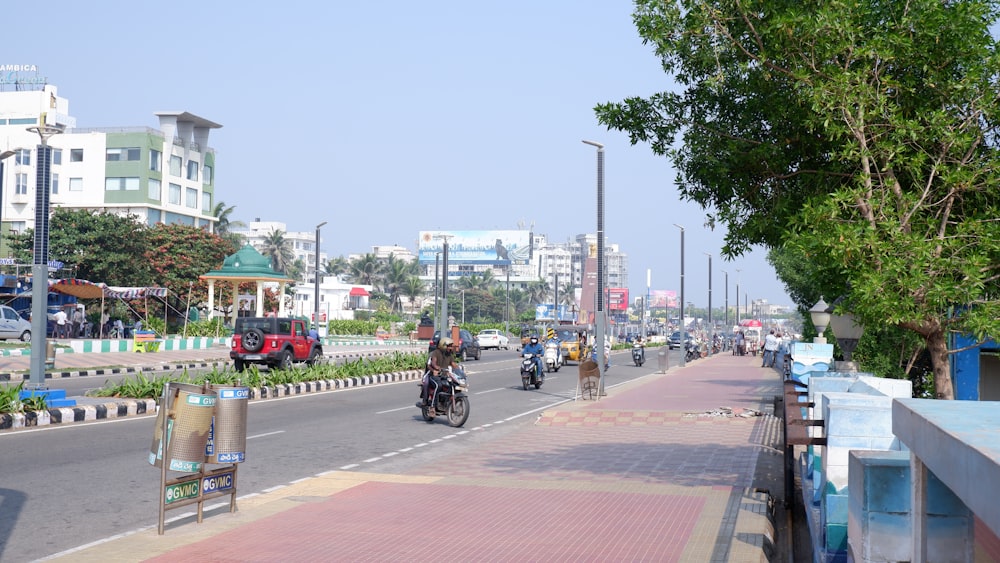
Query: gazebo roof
246	264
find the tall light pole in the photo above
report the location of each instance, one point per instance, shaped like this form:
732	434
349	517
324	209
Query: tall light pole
599	317
444	282
683	326
711	325
462	291
437	290
506	308
40	264
738	296
726	326
316	279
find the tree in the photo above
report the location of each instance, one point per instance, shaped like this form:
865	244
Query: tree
336	266
178	254
222	227
365	269
862	135
413	289
100	247
279	250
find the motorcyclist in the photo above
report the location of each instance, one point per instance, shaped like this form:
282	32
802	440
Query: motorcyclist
534	348
442	358
641	345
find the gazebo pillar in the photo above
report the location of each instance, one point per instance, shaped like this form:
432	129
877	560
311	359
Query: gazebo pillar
260	299
211	298
236	300
281	299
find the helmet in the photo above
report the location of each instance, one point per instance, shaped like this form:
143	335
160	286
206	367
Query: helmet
534	339
445	341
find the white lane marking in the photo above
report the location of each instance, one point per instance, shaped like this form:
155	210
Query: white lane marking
490	390
395	410
265	434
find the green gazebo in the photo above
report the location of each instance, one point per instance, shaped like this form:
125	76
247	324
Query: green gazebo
246	265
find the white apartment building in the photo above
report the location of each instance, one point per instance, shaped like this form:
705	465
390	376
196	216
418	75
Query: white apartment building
303	244
164	175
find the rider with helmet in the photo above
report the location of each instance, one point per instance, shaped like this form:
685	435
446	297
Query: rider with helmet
442	358
535	349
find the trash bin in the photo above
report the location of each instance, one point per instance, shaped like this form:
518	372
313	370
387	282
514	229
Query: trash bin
228	437
50	354
663	359
188	419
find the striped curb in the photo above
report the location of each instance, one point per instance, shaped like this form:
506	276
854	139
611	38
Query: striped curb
131	407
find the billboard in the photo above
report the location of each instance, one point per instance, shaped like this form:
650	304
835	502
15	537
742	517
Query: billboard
662	298
476	247
617	298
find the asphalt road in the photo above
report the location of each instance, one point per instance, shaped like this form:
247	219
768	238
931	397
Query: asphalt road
68	486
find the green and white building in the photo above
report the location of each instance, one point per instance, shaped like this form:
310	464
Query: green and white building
164	175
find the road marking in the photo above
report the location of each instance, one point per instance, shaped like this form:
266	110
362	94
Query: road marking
490	390
265	434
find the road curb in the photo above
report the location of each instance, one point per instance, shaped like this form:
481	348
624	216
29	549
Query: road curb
132	407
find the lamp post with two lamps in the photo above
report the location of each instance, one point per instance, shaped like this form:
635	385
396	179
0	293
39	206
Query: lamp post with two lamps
711	325
316	280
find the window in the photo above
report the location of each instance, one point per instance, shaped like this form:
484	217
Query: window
191	198
155	160
175	165
56	156
76	184
154	189
206	202
175	194
23	157
207	174
154	216
22	184
17	227
118	184
76	155
119	154
55	183
192	171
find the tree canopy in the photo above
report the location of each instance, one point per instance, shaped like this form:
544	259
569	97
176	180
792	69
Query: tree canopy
859	135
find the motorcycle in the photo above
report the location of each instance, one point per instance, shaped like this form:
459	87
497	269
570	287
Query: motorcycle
553	356
692	350
451	399
638	354
529	372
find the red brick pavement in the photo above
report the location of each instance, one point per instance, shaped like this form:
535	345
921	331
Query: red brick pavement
642	475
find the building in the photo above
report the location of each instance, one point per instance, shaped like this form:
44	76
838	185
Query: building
164	175
302	244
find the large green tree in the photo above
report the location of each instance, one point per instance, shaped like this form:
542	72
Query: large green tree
863	134
178	254
279	250
97	246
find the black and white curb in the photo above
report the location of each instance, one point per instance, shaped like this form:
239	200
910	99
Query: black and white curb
130	407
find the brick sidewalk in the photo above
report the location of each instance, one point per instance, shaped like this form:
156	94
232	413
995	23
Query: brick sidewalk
656	471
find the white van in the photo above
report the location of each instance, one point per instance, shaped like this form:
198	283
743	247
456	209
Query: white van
13	325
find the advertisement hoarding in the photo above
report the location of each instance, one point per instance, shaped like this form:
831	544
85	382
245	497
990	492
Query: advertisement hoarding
662	298
617	299
476	247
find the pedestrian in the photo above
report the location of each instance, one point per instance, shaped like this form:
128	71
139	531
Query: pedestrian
62	331
770	349
77	322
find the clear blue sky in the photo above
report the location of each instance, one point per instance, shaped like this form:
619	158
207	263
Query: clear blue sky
388	118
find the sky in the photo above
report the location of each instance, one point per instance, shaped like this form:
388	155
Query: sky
389	118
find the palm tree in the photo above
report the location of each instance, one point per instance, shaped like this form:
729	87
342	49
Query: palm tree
279	251
413	288
365	269
336	266
396	273
224	224
539	291
567	294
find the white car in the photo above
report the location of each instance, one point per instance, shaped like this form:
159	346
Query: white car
13	325
493	338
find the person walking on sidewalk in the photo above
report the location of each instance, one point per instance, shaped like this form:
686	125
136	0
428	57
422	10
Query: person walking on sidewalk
770	349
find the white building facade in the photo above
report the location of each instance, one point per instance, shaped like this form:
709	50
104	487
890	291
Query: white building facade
164	175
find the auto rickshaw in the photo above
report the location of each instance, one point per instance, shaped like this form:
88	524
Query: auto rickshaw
573	341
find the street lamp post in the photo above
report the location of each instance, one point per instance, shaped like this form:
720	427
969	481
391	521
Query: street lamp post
506	308
683	327
40	264
462	291
711	326
599	317
726	325
738	296
437	289
444	282
316	280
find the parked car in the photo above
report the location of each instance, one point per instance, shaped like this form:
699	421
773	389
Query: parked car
674	341
493	338
13	325
468	345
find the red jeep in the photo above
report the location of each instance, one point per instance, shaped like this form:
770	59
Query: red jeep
277	342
